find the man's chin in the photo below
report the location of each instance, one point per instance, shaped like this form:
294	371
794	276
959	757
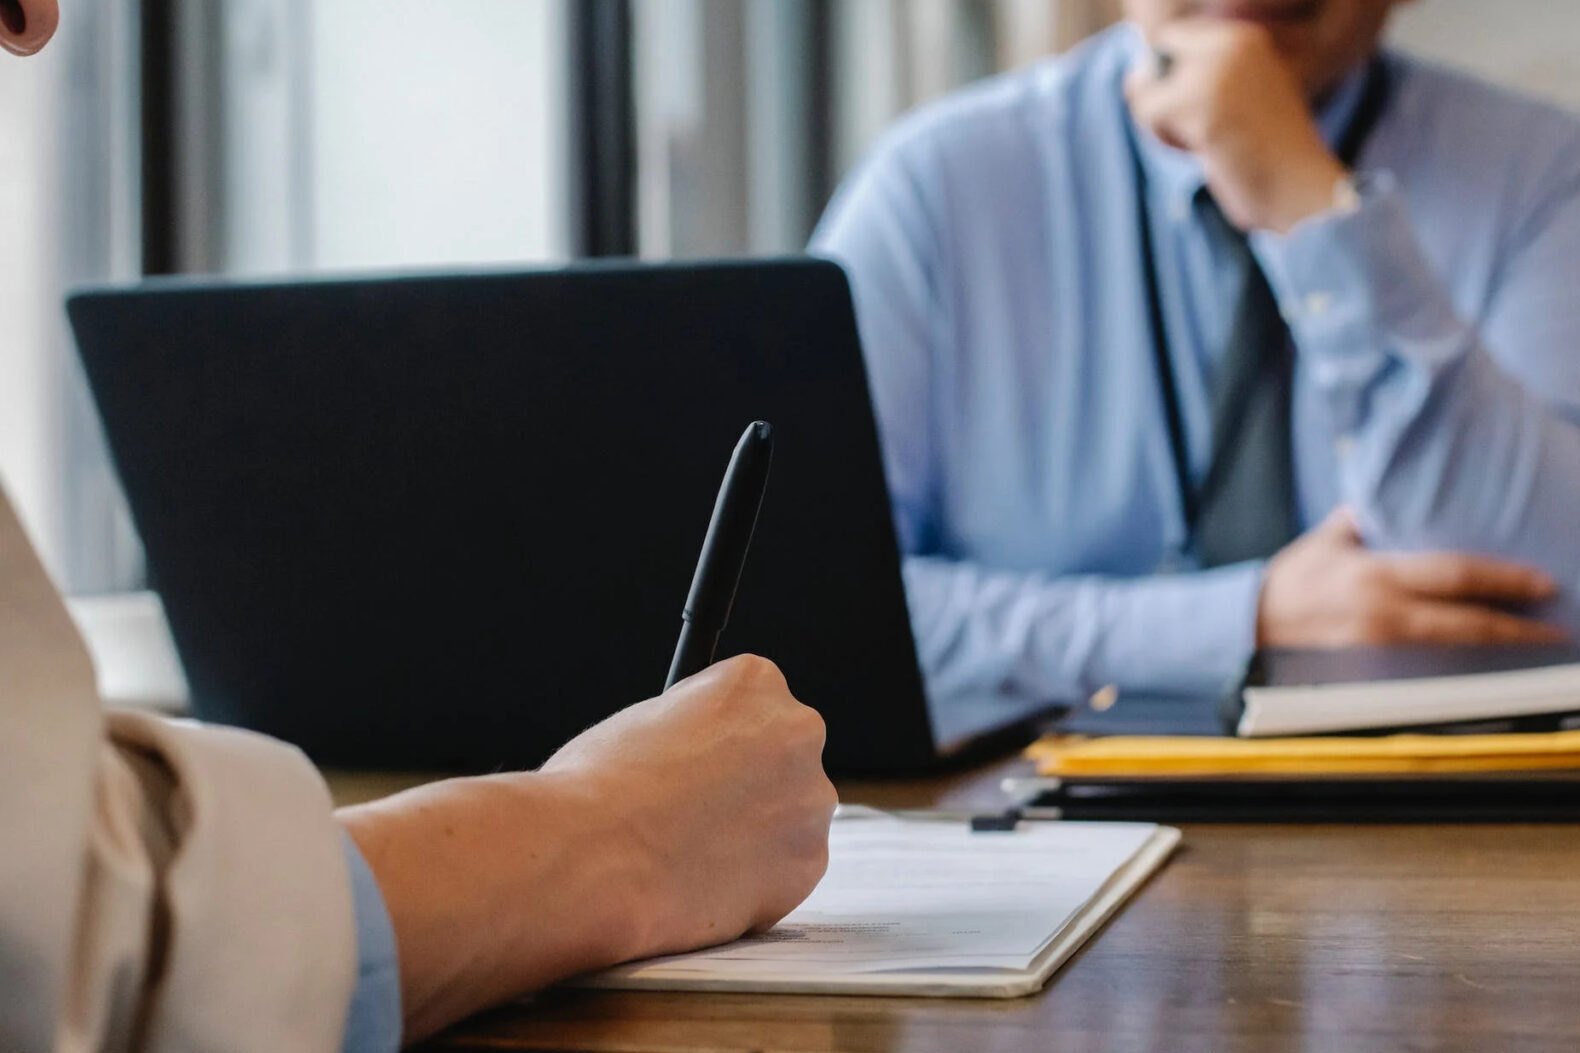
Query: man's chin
1270	13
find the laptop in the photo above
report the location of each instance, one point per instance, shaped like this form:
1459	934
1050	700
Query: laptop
447	522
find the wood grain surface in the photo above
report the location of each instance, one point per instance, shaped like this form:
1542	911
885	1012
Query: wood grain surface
1267	938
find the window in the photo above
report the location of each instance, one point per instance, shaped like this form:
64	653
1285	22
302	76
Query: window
278	136
1526	44
749	111
258	137
69	204
351	134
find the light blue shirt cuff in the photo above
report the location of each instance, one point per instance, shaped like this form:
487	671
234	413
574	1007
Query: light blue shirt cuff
1358	295
373	1022
1376	330
980	631
1192	633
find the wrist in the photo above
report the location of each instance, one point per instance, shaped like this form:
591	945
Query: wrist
1262	636
618	872
1306	190
497	886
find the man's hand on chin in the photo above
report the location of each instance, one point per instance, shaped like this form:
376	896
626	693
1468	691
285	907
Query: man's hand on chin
1227	96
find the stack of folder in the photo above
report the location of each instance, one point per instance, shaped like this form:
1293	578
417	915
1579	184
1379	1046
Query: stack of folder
1177	757
1517	758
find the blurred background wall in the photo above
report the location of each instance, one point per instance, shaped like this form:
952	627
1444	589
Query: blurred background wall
1528	44
252	137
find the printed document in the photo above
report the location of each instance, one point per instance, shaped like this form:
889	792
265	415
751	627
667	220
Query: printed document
912	904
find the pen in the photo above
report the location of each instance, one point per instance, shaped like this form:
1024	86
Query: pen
723	553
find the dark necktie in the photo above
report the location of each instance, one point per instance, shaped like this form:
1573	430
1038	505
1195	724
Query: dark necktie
1245	508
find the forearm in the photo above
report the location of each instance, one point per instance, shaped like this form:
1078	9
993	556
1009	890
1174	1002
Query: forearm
1059	639
1439	446
497	886
681	821
1463	457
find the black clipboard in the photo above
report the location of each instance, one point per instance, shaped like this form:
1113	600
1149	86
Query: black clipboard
1539	798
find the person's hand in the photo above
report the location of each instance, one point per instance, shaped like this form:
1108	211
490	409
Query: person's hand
685	820
1325	589
1230	99
719	784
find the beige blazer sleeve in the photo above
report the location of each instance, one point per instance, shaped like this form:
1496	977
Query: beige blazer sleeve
163	885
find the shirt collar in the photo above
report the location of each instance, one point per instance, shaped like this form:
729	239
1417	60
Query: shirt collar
1179	174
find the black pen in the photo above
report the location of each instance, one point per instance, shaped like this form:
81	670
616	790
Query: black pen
723	553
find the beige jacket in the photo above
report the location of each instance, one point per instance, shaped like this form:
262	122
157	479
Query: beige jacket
163	885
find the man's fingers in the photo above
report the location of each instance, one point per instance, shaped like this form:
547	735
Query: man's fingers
1339	525
1171	106
1201	35
1455	576
1469	624
1159	106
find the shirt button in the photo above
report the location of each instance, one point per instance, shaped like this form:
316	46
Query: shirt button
1317	303
1103	698
1344	446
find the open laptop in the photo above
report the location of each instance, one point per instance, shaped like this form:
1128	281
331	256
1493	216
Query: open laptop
448	522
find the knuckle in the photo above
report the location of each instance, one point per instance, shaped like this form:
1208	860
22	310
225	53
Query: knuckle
804	858
748	665
1372	580
1368	571
1377	624
1458	576
1244	36
813	865
1513	630
763	671
798	738
810	723
1500	630
817	866
756	674
1470	629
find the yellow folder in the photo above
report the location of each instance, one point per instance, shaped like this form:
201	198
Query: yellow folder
1132	757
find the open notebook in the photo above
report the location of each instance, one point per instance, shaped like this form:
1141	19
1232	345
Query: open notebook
926	907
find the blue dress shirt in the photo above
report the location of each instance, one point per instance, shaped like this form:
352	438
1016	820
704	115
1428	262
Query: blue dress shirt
992	246
373	1020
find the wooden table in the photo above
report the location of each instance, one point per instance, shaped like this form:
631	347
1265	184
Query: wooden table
1265	938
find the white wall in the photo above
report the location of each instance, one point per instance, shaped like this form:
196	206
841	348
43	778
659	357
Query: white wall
1528	44
436	132
29	296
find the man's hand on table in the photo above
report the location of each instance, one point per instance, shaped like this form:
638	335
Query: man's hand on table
1326	589
685	820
